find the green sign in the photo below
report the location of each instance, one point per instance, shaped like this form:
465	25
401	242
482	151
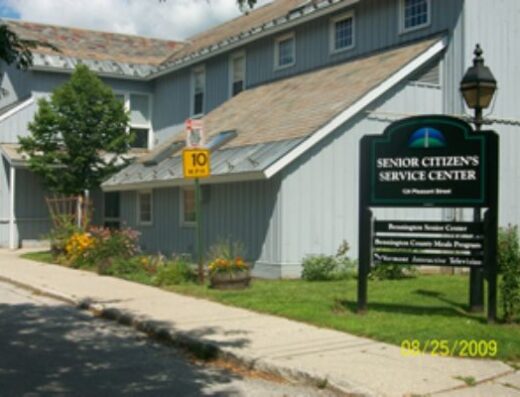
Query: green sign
428	161
432	161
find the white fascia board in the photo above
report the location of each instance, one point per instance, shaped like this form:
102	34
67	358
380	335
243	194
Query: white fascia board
355	108
240	177
17	108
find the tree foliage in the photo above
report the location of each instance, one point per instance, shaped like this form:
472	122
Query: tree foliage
78	136
15	50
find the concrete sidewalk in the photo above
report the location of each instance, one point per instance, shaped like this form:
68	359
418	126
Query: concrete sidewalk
295	350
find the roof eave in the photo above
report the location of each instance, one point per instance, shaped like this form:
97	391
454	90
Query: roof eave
250	36
214	179
39	68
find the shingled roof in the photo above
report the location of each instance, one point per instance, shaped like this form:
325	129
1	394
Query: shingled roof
299	105
298	108
145	58
95	45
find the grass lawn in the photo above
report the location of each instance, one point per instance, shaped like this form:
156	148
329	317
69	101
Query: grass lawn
40	256
424	308
428	307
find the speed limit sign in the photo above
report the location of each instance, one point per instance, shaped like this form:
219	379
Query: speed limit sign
196	163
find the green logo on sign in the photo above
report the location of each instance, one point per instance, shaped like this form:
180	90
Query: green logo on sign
427	138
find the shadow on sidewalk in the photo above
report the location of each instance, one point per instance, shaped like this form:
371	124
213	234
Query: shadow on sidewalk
55	350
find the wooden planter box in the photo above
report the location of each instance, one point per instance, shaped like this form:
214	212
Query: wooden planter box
232	280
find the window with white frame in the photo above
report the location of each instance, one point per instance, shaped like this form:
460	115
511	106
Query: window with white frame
145	207
237	73
415	14
342	32
284	51
139	106
198	89
188	214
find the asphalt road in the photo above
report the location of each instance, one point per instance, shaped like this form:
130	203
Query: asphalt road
48	348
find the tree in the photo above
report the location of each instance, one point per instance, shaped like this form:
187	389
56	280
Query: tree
15	50
78	136
242	4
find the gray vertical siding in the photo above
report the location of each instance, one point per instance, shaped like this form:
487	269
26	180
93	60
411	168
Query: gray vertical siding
16	125
171	103
376	26
239	211
494	26
320	189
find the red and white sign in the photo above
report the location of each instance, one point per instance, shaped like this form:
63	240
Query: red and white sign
194	133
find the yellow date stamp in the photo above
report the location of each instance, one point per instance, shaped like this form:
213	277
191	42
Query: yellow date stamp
449	348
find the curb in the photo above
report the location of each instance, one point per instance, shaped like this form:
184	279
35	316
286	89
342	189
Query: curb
201	349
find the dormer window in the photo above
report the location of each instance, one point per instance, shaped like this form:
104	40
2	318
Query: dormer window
284	51
198	88
237	73
342	32
415	14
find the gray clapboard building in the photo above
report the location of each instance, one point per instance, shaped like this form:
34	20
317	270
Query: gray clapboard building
285	93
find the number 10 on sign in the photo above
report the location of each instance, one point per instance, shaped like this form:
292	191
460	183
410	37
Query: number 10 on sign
196	163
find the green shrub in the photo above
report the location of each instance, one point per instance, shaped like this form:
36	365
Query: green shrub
65	227
509	267
122	267
226	249
319	267
174	272
110	245
328	267
391	272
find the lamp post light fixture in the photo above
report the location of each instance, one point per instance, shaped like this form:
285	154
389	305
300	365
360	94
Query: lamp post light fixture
477	87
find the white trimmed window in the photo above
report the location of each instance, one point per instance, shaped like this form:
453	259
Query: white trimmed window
414	14
237	73
145	207
139	105
284	51
198	90
342	32
187	207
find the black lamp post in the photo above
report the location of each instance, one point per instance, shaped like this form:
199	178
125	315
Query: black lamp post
477	87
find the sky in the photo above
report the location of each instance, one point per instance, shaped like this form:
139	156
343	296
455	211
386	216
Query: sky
168	19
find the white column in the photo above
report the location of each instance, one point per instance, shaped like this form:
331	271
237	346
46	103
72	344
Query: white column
12	188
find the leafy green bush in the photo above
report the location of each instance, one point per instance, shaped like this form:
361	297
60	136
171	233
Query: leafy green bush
226	249
391	272
174	272
122	267
65	227
509	267
328	267
319	267
110	245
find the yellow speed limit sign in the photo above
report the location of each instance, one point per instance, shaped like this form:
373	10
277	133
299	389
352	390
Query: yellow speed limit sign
195	163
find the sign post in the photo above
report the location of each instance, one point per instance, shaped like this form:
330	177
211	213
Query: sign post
196	165
429	161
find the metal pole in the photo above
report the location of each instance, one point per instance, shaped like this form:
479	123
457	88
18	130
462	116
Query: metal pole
198	216
476	275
